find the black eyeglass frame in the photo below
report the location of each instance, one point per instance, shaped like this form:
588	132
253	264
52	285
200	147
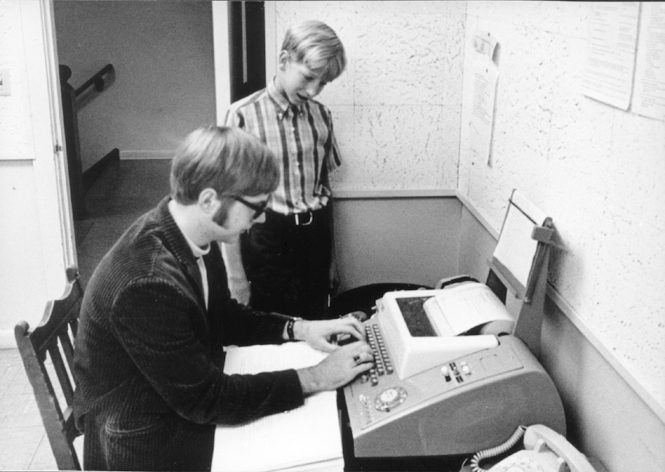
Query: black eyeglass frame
258	209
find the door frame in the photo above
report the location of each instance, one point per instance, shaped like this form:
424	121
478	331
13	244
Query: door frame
220	29
220	33
51	172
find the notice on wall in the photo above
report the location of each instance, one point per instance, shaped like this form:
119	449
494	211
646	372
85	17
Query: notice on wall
485	74
649	91
612	41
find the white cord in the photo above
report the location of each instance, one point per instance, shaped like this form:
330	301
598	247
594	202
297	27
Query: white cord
495	451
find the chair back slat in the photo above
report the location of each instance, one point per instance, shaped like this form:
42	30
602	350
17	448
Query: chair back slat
48	357
74	326
62	373
67	345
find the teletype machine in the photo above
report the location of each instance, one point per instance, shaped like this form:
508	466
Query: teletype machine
455	368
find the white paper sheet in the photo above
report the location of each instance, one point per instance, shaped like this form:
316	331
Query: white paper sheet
516	248
460	308
612	40
269	357
649	91
485	74
307	437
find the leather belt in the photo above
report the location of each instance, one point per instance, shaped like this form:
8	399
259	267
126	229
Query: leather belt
304	218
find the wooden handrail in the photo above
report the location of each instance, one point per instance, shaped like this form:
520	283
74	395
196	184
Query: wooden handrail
72	101
97	80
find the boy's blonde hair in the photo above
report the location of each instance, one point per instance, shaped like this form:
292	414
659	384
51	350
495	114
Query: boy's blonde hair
316	45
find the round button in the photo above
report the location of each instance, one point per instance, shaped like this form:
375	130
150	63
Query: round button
390	398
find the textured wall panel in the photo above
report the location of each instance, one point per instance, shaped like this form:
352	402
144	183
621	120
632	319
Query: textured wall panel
397	106
598	171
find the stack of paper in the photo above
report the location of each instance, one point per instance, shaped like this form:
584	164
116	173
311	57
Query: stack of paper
307	438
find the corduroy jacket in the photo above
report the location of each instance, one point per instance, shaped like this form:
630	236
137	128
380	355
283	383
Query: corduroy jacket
147	349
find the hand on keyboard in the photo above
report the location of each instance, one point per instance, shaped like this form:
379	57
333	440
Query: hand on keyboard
344	339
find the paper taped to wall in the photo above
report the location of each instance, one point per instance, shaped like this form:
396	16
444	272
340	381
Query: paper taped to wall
485	74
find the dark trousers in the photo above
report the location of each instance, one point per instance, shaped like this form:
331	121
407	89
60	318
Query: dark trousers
168	443
287	264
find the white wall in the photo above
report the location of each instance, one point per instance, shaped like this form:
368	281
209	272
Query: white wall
396	108
34	249
162	53
596	170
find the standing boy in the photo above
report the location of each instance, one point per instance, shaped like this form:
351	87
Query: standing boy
157	312
289	260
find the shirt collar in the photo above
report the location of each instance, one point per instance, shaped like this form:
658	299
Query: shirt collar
284	107
196	250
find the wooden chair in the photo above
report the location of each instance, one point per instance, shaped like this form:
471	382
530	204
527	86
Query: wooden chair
48	357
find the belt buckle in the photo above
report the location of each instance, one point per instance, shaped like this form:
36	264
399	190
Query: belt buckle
304	223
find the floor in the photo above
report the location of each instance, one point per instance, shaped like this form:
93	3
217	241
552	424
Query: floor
124	191
23	443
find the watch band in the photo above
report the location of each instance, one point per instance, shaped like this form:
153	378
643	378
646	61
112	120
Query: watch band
289	328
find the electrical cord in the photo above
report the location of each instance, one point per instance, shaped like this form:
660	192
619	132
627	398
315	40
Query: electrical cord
497	450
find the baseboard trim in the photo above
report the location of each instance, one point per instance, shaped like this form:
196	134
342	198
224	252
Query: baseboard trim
137	155
388	194
471	208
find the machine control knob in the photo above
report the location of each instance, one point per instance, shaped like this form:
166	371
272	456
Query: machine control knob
390	398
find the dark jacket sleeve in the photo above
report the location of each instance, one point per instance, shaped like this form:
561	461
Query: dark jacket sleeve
167	335
236	324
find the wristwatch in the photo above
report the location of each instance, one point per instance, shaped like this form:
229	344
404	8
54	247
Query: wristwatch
289	327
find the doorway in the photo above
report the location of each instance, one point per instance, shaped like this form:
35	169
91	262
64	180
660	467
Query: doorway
247	51
165	83
163	87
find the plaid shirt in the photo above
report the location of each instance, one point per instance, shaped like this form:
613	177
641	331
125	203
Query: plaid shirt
301	138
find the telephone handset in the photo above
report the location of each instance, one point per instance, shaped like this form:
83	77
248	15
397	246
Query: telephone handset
544	450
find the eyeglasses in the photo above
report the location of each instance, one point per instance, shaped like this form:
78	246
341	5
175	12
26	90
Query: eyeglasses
259	208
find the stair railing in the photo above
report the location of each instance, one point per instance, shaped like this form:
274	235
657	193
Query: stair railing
72	101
